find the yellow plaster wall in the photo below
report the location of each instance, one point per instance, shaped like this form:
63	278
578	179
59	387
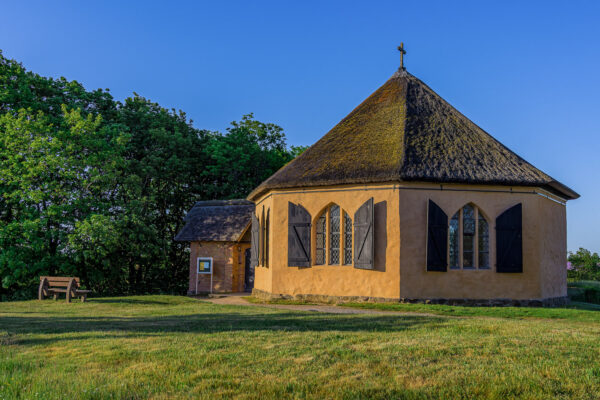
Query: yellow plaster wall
553	238
263	275
333	280
544	246
400	244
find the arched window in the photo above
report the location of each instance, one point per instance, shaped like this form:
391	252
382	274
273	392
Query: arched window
328	235
469	239
347	239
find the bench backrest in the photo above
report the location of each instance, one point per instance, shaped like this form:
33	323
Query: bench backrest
59	281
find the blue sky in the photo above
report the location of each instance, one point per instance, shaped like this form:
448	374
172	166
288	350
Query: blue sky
526	72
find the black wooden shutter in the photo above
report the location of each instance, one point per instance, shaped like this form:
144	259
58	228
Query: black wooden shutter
262	238
254	245
363	236
267	232
437	238
298	236
509	240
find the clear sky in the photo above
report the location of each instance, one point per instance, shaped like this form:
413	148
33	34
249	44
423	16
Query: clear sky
525	71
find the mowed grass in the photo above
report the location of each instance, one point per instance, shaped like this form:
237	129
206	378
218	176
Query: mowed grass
568	312
164	347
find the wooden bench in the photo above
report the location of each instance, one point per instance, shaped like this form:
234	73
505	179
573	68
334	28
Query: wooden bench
54	285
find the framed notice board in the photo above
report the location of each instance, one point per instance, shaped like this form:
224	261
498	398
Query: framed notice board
205	265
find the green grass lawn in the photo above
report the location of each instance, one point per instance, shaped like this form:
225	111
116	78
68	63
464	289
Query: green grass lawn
175	347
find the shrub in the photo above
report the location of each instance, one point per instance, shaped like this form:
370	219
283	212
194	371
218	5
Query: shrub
586	291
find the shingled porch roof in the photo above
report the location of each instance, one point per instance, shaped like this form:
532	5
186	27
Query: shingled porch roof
405	131
216	220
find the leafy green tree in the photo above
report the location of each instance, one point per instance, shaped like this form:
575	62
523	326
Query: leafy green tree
583	265
165	157
97	188
295	151
22	89
246	155
52	177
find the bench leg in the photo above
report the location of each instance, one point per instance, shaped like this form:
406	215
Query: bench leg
43	290
55	296
83	297
71	289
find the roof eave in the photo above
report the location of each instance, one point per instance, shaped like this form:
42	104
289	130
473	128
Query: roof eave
243	232
554	186
563	190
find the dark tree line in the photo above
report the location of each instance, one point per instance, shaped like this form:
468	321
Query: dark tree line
97	188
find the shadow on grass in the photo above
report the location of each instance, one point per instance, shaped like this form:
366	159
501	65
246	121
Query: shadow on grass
140	301
212	323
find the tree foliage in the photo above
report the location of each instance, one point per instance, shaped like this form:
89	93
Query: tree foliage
248	153
583	265
98	188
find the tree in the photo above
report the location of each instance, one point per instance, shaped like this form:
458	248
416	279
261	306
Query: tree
245	156
97	188
165	157
583	265
53	176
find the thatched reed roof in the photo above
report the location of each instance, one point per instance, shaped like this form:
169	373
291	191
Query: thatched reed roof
216	220
404	131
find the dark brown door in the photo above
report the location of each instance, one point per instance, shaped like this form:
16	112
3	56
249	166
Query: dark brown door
249	272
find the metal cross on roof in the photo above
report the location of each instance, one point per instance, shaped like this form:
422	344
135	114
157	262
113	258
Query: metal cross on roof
402	53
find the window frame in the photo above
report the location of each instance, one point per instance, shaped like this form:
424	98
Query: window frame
327	237
475	252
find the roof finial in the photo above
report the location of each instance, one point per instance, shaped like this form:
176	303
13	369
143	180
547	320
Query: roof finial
402	53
